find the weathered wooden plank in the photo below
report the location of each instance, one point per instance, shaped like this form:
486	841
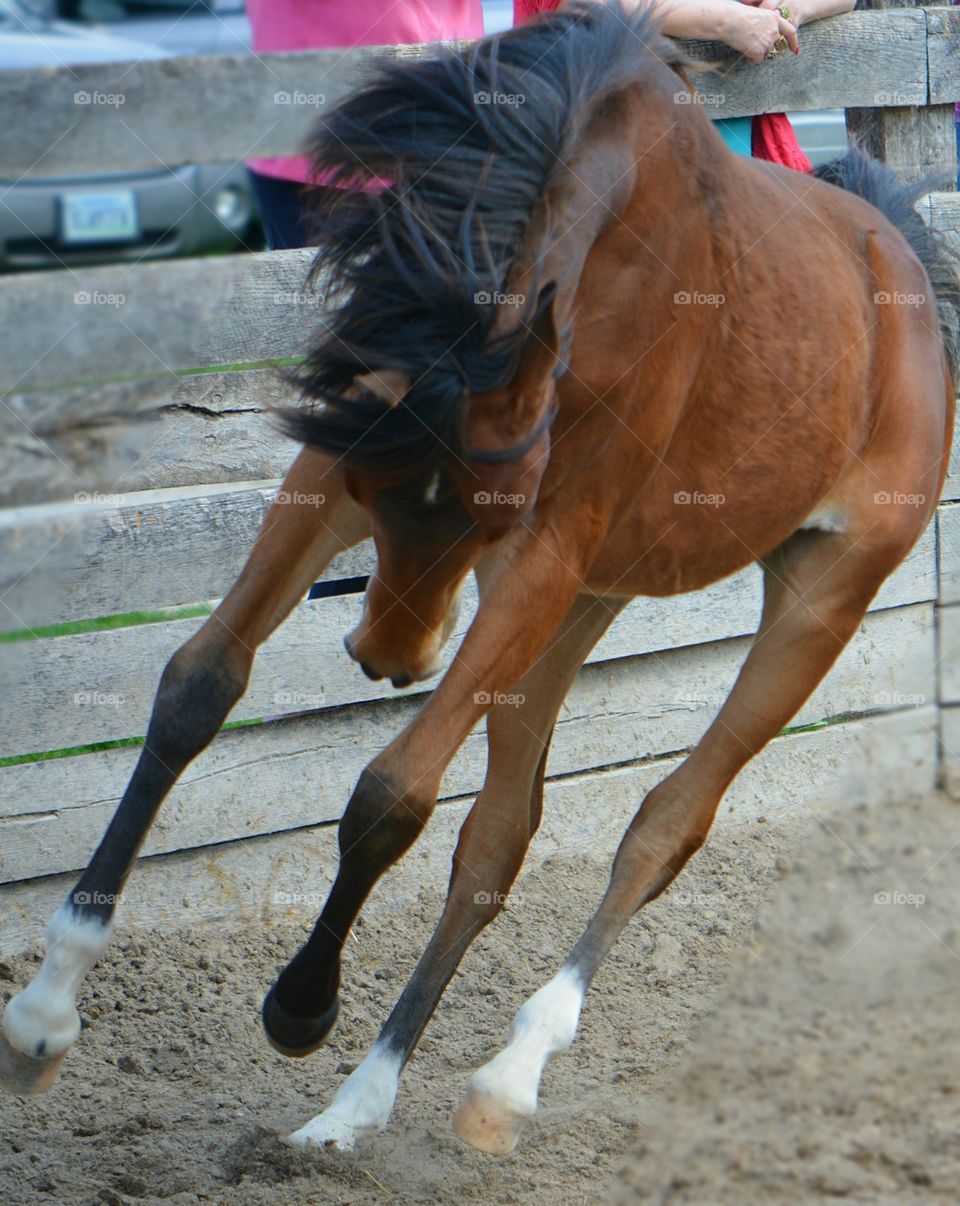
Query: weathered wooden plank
948	655
166	317
153	320
951	487
160	548
617	712
944	216
283	878
149	434
62	562
948	531
99	686
916	142
845	61
231	107
92	778
950	749
914	138
201	109
943	54
945	211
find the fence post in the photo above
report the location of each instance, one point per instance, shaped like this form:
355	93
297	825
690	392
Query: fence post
914	141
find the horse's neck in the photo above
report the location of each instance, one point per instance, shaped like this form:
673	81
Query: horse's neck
592	193
631	172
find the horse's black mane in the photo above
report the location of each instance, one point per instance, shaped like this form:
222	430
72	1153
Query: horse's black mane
469	140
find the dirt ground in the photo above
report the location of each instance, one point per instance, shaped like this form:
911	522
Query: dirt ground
767	1032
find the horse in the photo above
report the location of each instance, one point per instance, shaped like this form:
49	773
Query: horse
577	347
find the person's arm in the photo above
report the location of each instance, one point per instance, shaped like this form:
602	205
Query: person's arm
748	28
802	12
710	19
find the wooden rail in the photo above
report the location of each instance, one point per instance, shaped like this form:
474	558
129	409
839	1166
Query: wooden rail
226	108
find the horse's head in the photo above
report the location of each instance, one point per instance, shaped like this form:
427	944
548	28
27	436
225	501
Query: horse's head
454	289
431	522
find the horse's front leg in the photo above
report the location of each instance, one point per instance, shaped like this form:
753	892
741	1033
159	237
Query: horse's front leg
199	686
391	804
492	844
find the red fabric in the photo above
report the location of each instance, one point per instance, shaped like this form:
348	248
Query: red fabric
772	137
523	10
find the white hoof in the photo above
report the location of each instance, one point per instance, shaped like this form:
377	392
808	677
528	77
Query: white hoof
41	1023
332	1128
360	1108
502	1096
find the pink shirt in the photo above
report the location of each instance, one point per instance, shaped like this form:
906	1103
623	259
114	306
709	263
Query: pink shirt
315	24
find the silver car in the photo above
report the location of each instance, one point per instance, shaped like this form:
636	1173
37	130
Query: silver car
70	220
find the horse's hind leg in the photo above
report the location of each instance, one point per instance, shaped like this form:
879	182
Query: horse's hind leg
492	844
817	588
199	686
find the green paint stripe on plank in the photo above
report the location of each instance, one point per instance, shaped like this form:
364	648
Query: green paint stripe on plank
96	747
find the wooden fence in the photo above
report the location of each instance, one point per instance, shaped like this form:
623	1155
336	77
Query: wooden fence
136	465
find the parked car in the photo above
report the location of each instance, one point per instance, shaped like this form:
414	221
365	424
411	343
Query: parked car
121	216
189	210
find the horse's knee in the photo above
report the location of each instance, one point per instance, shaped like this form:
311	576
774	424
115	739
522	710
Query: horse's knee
198	687
383	818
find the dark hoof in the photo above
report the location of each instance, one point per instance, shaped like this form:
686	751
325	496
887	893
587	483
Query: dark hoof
295	1036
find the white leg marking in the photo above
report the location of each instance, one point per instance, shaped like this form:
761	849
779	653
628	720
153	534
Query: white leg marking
360	1107
826	518
42	1021
544	1025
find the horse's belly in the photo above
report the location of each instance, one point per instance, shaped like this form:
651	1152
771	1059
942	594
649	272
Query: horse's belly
703	540
724	500
662	567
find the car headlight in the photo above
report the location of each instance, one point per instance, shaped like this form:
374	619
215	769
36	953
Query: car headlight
232	206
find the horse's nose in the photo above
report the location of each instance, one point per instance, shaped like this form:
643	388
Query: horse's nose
350	645
399	675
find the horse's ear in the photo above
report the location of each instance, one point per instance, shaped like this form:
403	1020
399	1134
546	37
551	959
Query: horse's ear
540	354
391	385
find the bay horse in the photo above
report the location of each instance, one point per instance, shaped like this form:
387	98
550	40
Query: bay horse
581	348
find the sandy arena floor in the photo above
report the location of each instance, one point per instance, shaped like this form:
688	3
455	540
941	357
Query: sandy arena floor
766	1033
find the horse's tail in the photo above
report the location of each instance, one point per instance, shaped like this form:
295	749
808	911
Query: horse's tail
876	183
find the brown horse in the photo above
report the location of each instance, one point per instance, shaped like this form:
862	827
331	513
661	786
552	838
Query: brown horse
587	351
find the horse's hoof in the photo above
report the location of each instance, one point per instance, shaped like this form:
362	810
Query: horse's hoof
293	1036
330	1130
27	1075
487	1124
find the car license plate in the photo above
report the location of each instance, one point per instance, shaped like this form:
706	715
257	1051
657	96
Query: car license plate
99	217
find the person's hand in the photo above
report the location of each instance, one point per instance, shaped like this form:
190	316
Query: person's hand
753	30
797	10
